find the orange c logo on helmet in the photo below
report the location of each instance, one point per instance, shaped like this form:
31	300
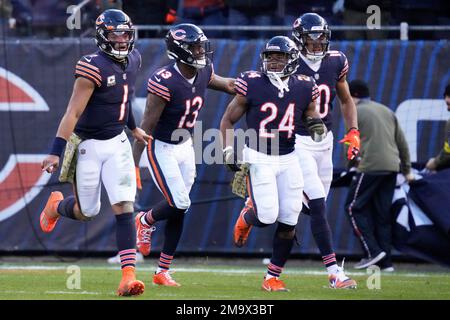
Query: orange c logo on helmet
100	19
178	34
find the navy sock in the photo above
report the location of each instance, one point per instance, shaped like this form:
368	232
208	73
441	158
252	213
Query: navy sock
65	207
125	231
283	241
252	219
163	211
319	226
172	234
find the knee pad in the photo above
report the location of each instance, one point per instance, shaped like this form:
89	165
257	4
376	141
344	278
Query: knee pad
285	231
265	221
182	202
267	214
88	214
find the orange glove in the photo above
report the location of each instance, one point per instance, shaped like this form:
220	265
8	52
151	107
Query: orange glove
352	140
138	178
171	16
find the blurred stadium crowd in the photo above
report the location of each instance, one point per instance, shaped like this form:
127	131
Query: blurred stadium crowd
47	18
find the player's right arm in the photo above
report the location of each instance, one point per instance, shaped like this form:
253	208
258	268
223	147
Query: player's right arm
235	110
153	110
82	91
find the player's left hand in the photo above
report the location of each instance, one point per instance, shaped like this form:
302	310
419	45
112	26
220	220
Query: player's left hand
352	140
141	136
229	160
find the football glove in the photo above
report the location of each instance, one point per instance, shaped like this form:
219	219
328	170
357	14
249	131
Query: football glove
229	160
352	140
316	128
239	182
138	178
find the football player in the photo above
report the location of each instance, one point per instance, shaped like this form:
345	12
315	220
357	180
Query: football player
329	69
274	102
176	93
97	112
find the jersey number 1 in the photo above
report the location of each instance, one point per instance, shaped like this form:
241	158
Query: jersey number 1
124	102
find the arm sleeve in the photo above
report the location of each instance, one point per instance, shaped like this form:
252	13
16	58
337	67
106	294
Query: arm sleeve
157	86
86	68
402	145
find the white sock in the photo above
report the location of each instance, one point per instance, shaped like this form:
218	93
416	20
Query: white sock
269	276
143	221
158	270
333	269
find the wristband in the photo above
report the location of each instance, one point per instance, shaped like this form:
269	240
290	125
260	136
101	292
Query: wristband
58	146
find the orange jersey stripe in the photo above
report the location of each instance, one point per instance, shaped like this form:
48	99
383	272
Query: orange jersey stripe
158	94
96	75
158	90
89	66
156	172
81	73
150	81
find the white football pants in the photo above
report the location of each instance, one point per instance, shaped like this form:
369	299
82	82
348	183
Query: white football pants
172	167
316	161
108	161
275	185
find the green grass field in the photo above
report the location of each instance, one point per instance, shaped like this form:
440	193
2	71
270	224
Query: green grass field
211	282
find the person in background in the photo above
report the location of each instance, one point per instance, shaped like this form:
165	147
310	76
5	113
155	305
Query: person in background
250	13
204	13
384	152
7	21
442	160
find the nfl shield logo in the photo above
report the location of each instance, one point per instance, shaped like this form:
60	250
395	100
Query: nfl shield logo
124	76
193	89
316	76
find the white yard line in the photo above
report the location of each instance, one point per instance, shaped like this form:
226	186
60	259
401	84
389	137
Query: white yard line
214	270
72	292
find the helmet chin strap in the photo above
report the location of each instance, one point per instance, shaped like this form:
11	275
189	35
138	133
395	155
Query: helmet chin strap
277	82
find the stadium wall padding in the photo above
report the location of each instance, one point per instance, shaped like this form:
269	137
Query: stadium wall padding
395	70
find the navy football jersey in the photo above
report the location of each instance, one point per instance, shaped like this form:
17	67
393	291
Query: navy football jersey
107	111
333	67
272	116
183	100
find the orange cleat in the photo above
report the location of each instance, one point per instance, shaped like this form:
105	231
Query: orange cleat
273	284
241	228
164	279
143	235
129	286
46	220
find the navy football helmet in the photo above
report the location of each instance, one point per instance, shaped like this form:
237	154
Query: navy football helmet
312	36
188	44
114	33
284	67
